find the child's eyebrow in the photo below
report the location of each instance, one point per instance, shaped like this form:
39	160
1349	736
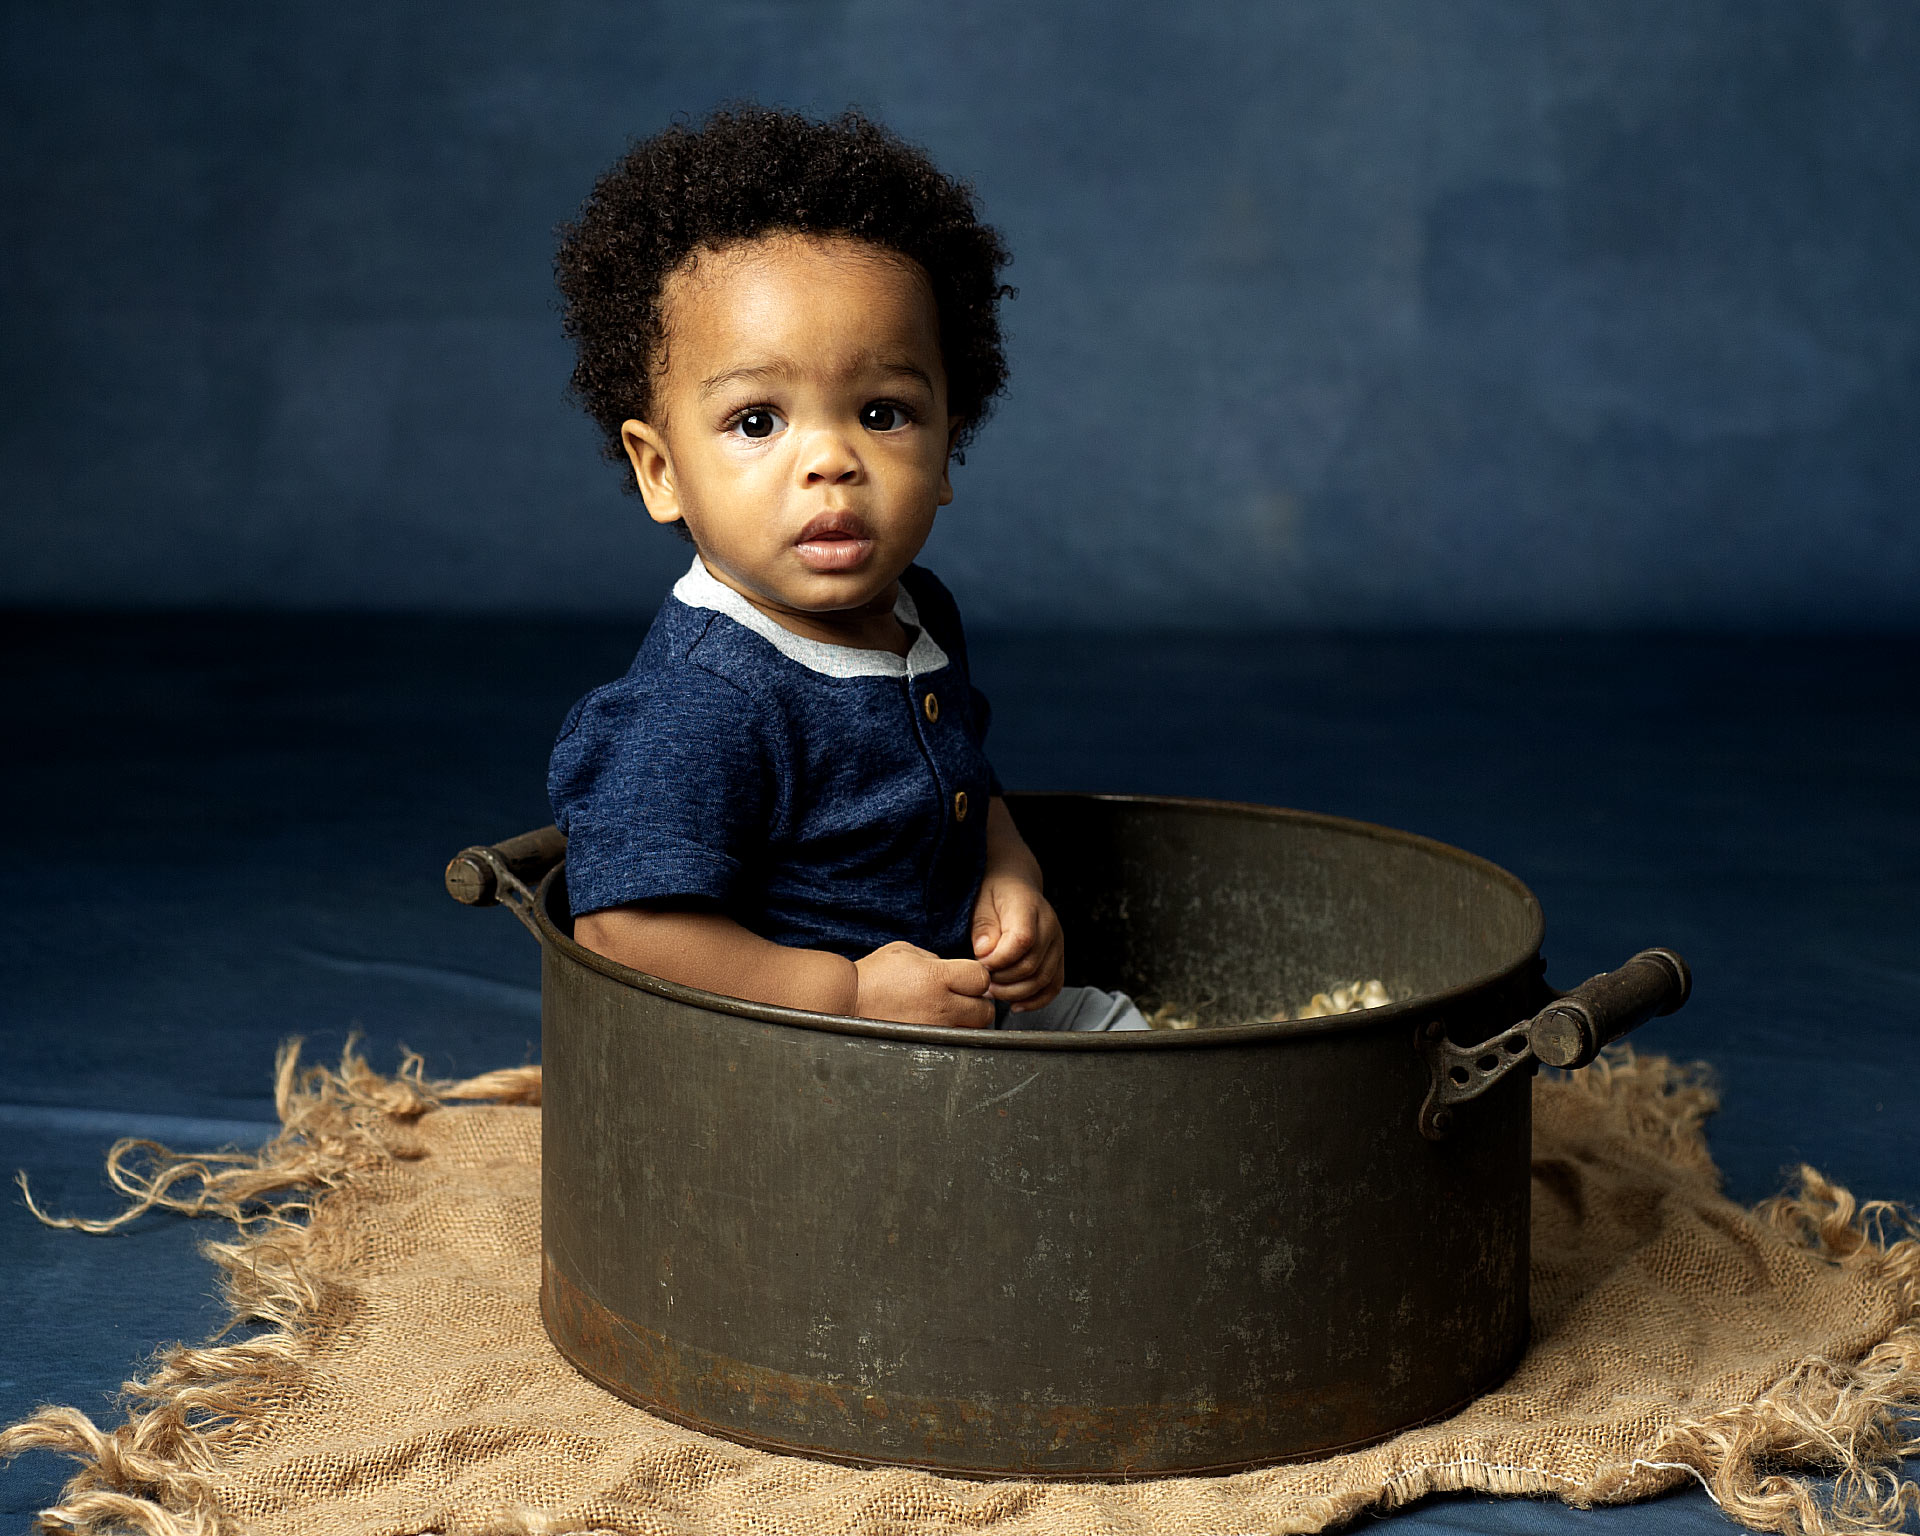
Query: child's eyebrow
783	369
753	375
911	371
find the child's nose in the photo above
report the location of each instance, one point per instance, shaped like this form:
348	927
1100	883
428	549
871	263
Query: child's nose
828	459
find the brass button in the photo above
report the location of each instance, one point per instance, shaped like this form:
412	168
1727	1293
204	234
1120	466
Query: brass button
960	806
932	706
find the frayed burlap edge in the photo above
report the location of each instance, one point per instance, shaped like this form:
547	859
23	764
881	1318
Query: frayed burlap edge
153	1475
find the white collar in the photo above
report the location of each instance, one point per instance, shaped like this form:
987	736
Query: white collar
700	588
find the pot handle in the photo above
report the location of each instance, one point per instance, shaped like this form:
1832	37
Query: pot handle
506	871
1569	1032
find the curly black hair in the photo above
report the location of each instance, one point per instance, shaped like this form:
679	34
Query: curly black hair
750	171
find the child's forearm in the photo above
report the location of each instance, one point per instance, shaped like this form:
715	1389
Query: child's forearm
704	949
1007	851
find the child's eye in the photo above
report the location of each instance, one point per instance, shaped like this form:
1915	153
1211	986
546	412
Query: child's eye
758	422
883	416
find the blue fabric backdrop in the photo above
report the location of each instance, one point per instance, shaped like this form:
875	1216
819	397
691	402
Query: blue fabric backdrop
1493	312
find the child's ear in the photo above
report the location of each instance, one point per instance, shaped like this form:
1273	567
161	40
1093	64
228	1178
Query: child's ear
652	470
954	424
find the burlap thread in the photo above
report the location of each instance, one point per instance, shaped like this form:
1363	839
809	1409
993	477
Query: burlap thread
386	1247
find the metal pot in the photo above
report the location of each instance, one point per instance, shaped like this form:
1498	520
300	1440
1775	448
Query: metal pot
1013	1253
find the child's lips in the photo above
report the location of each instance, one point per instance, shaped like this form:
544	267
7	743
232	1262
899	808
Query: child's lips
833	554
834	542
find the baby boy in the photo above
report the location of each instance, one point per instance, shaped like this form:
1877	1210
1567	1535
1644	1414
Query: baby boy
788	329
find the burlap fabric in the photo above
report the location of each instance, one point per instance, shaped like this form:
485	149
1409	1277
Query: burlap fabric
403	1383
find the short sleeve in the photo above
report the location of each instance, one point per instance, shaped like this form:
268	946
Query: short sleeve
664	787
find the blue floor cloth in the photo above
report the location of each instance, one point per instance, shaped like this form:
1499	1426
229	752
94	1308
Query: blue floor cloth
227	830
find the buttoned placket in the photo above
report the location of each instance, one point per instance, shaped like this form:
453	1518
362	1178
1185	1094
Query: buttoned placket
927	711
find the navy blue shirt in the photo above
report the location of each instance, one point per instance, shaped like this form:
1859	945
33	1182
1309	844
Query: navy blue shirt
821	796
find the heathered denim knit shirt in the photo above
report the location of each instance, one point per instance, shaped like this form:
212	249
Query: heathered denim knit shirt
821	796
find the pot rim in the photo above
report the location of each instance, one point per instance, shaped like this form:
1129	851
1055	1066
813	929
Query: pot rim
1129	1040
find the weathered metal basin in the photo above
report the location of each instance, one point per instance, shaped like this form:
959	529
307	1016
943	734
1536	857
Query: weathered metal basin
1005	1253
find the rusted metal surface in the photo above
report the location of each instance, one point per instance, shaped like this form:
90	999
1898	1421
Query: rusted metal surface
715	1394
1101	1256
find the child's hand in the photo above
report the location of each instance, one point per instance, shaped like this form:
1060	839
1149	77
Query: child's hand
1017	937
911	985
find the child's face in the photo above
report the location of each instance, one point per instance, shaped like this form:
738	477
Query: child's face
801	427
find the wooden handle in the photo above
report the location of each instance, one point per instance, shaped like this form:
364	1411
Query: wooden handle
1570	1032
471	880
